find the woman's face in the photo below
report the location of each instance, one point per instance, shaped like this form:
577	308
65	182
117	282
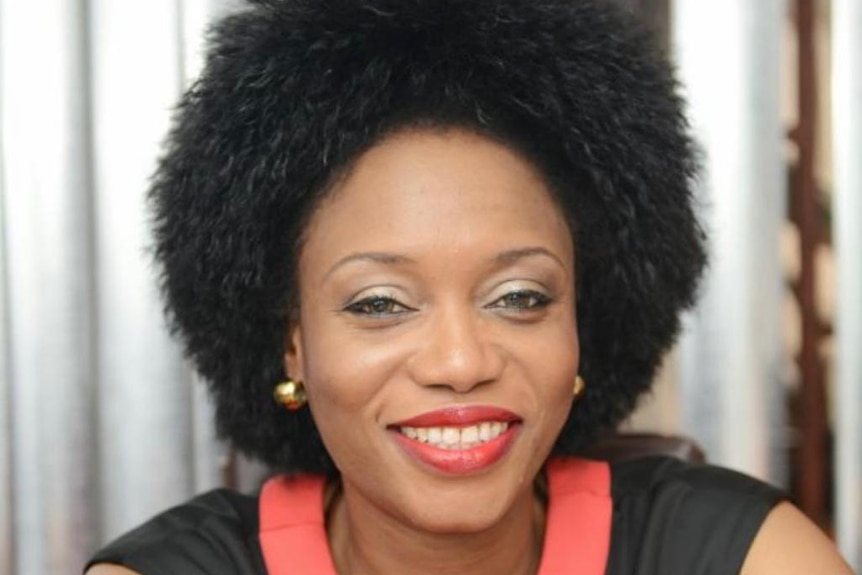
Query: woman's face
437	335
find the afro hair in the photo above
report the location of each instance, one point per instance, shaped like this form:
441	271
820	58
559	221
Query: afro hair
293	91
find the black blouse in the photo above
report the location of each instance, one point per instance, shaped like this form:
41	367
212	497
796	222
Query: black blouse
670	518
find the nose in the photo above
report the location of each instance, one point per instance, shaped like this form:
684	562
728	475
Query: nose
458	351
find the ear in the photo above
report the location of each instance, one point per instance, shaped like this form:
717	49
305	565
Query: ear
294	364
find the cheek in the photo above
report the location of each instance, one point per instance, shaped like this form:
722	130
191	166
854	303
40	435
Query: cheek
344	372
554	366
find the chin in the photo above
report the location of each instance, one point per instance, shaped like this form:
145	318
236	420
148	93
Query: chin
443	521
461	509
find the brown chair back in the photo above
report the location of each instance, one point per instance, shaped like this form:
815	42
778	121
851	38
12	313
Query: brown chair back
625	446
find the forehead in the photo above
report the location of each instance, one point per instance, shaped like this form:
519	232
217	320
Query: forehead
437	192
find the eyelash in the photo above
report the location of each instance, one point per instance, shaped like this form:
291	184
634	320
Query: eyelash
517	299
384	306
365	306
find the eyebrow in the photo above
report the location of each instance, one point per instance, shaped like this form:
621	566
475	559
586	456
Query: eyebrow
374	257
508	257
511	256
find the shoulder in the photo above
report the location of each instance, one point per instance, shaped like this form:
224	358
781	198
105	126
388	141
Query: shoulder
671	516
789	543
214	534
107	569
675	517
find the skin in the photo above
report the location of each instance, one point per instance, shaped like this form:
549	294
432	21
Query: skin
468	300
474	276
788	542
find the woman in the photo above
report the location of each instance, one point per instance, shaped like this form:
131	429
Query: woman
463	233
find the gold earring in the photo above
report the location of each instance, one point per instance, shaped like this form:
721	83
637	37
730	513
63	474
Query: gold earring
290	394
580	386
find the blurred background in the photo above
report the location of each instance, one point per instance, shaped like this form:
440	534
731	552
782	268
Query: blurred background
102	423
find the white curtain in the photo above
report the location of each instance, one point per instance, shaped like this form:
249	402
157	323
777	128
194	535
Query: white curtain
732	356
100	422
847	207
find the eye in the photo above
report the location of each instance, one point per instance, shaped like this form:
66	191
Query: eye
521	300
377	306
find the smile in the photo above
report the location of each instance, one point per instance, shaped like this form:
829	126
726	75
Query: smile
456	437
459	440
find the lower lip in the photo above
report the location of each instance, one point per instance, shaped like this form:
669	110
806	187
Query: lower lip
459	461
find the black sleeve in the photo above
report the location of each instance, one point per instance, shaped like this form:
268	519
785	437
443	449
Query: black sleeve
673	518
213	534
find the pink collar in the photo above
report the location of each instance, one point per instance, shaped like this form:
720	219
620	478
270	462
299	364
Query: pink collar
577	537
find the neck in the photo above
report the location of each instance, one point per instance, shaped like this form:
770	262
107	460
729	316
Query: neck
512	545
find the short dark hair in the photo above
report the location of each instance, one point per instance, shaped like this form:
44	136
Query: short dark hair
293	91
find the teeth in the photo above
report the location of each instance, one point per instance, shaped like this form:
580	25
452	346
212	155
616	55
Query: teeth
451	436
435	435
456	437
470	435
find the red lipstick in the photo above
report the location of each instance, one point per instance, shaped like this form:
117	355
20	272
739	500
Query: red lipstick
454	460
459	416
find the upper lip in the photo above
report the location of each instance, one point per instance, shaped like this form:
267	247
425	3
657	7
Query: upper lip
462	415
